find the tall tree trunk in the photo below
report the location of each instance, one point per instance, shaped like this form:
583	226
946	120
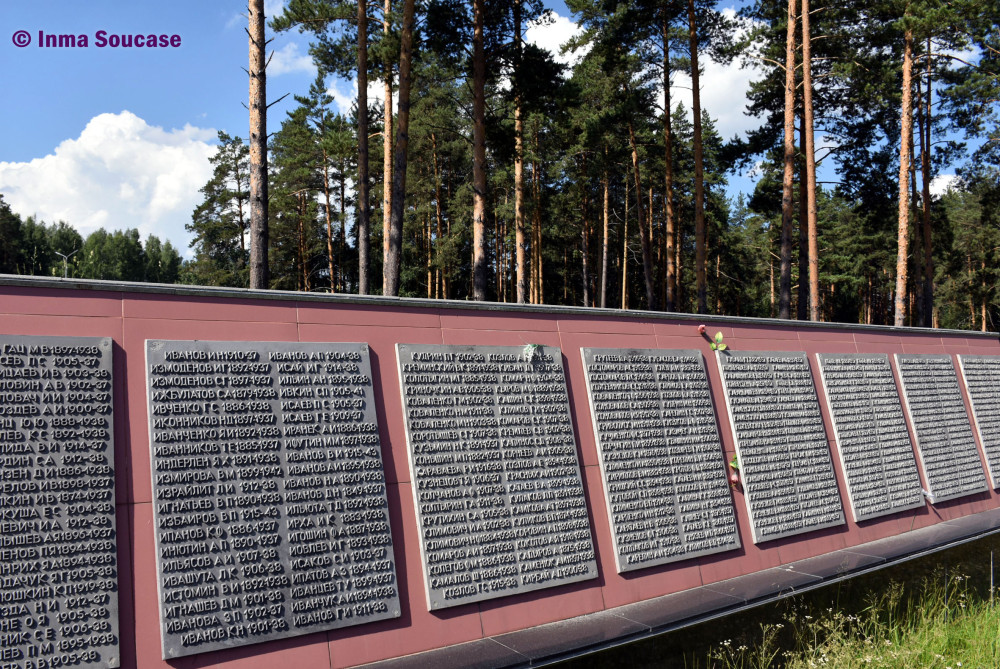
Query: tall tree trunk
914	307
668	156
437	203
985	301
402	145
258	147
802	305
647	260
700	241
386	148
329	220
903	222
868	301
972	297
770	265
519	239
605	186
364	213
802	302
917	317
681	295
649	224
428	247
478	153
536	229
625	252
785	289
343	227
810	150
585	236
498	245
925	165
241	198
718	284
303	261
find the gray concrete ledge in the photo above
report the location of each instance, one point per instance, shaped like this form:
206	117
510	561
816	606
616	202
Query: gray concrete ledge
54	283
563	640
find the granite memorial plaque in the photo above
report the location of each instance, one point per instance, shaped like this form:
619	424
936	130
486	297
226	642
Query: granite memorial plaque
981	375
269	497
872	439
941	427
496	479
58	547
781	445
665	481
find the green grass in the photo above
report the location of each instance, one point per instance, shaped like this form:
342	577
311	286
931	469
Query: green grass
943	623
935	612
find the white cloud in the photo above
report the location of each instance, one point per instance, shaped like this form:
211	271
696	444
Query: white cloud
723	90
345	94
119	173
288	59
723	87
551	33
943	183
723	95
273	7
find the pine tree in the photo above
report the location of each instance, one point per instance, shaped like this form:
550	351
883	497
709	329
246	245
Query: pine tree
298	237
220	224
258	147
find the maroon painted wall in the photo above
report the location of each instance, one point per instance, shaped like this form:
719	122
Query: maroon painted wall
132	314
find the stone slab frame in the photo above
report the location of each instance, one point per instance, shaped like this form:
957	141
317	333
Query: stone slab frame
778	431
662	464
59	548
496	478
981	377
945	444
269	499
873	444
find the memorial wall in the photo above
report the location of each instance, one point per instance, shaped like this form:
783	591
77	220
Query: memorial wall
225	478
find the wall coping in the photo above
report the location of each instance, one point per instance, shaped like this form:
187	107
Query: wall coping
424	303
563	640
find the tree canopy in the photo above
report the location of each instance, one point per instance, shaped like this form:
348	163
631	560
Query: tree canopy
511	176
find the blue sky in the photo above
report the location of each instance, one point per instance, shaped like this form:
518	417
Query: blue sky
116	137
120	138
57	91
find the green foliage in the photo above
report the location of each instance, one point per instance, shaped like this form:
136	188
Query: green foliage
935	611
938	622
162	261
34	247
221	223
116	256
10	239
717	344
576	141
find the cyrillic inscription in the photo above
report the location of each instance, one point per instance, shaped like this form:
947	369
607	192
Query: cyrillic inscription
496	480
872	439
941	426
781	444
58	548
981	374
269	495
664	473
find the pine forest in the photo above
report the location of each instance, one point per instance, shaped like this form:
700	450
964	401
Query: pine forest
485	169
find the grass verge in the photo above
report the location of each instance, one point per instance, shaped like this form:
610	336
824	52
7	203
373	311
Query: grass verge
940	612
